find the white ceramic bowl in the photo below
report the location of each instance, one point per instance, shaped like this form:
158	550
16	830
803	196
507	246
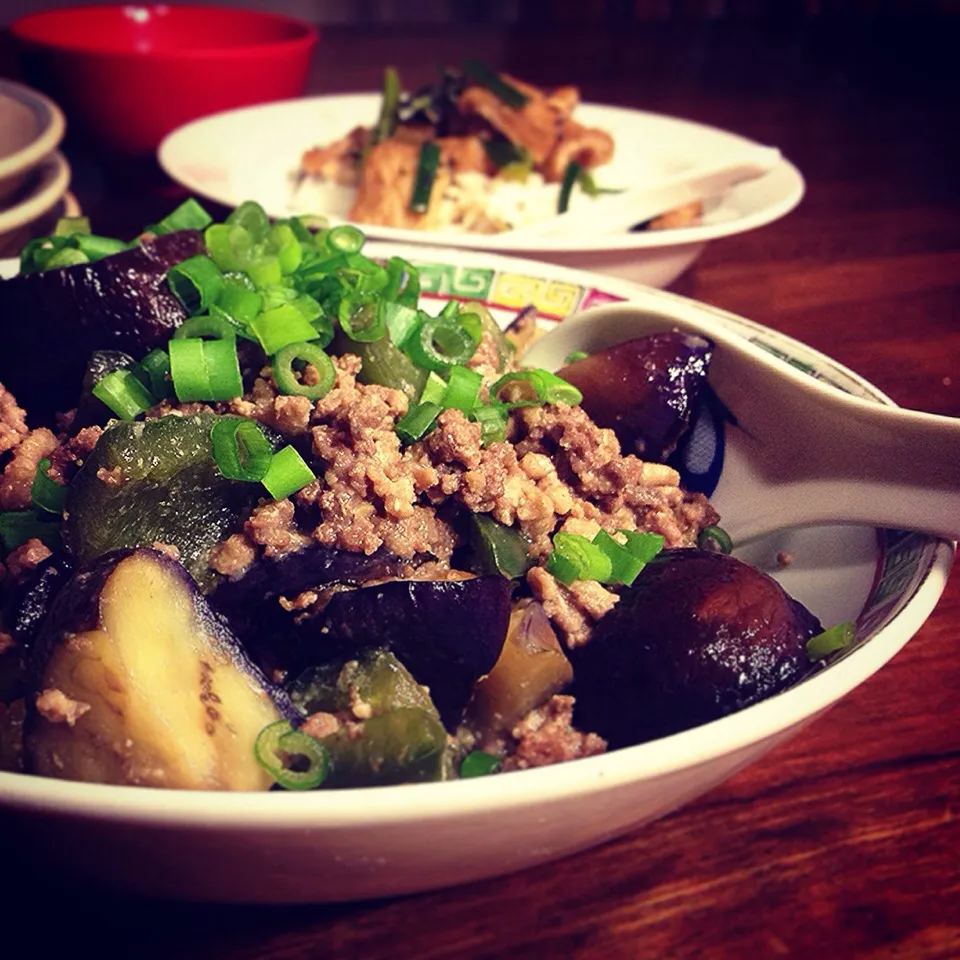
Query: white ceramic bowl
252	154
376	842
31	128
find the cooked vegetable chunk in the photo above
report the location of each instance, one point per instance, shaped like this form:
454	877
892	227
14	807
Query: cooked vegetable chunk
135	681
531	668
447	633
121	302
155	481
643	389
699	635
388	730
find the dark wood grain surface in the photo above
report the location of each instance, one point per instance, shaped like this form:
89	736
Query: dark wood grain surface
846	841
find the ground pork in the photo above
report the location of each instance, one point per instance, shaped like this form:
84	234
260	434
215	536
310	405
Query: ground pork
28	556
19	472
54	705
13	421
72	451
546	735
271	525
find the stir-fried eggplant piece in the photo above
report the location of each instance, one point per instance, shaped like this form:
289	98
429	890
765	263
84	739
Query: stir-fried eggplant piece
531	668
447	633
699	635
387	728
121	302
643	389
269	632
155	481
135	681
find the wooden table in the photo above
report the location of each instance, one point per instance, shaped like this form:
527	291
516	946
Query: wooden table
845	842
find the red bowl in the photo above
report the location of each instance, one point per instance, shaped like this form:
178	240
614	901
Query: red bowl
129	74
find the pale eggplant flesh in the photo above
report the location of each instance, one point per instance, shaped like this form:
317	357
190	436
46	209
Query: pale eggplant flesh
134	680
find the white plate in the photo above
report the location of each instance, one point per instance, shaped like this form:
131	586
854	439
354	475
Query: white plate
252	154
352	844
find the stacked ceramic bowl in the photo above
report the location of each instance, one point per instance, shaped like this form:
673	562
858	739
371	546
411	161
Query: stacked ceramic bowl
34	175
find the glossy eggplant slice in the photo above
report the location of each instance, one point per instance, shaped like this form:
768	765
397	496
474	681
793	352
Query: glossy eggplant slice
134	680
643	389
121	302
155	481
699	635
447	633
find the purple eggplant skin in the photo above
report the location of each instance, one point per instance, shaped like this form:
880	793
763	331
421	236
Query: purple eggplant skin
54	320
698	635
168	697
645	389
447	633
250	604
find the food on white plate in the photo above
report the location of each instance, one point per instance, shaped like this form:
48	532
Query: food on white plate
477	151
275	523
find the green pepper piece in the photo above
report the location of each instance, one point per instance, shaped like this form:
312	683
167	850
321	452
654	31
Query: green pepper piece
155	481
499	549
383	363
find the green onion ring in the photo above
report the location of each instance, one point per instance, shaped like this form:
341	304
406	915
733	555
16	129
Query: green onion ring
240	449
286	379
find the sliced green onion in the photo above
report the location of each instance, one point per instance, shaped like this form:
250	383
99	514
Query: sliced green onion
188	370
240	449
96	247
157	365
478	763
223	369
19	526
417	421
575	355
285	245
425	175
404	282
71	226
346	238
493	423
463	387
45	493
281	326
364	324
439	343
188	216
196	282
570	174
65	257
838	637
715	538
123	393
287	381
389	101
488	78
504	153
288	472
253	218
527	388
642	544
294	759
499	548
571	552
624	566
206	325
239	302
230	246
433	389
265	270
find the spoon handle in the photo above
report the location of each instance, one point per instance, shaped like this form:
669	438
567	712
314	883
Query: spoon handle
835	458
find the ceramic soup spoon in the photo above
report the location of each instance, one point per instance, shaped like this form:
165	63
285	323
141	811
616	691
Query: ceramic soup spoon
801	451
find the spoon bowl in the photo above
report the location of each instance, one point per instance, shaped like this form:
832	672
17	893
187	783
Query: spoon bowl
796	450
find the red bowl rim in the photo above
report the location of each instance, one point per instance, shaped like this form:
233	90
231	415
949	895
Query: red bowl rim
23	30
